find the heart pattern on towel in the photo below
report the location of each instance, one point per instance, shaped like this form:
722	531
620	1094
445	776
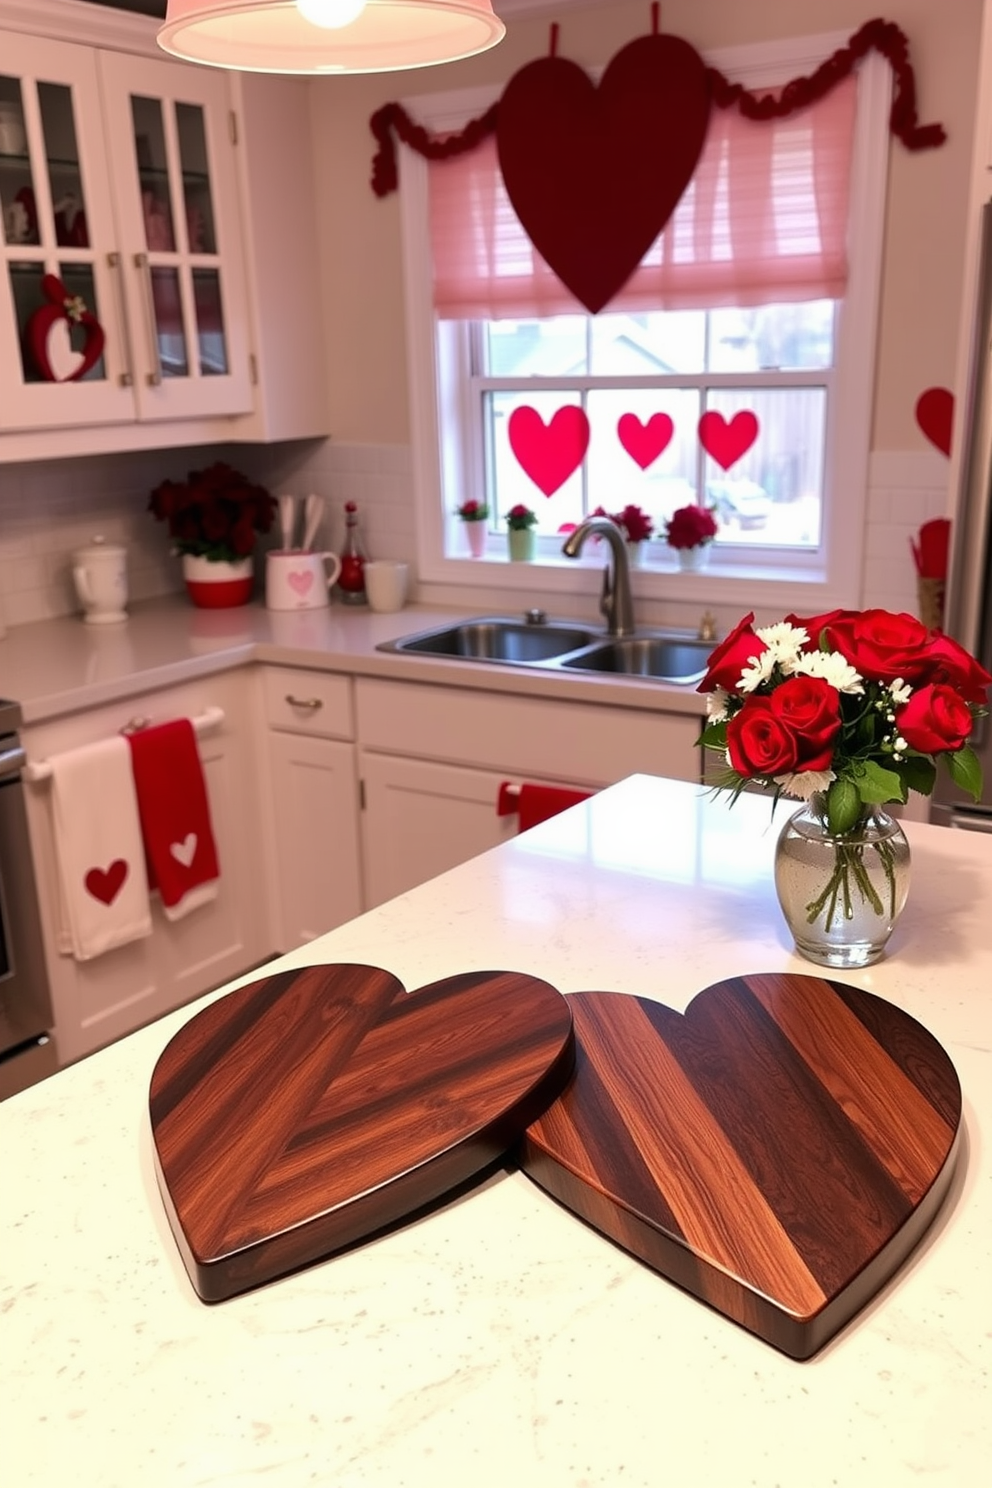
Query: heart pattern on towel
106	883
300	580
184	852
727	442
549	453
308	1109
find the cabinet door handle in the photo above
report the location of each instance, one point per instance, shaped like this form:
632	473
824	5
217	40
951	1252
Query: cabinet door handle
125	378
312	703
141	263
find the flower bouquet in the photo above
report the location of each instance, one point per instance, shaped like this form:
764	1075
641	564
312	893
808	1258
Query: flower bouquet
215	514
690	530
847	711
520	518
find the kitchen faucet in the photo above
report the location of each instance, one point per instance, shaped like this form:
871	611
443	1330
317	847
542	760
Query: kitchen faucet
616	601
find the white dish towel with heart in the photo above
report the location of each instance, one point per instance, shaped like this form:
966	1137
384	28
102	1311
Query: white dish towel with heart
180	850
103	886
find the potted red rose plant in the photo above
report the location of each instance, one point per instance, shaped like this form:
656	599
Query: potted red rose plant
520	524
214	518
847	711
473	514
690	530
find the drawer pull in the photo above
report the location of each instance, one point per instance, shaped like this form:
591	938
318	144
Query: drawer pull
311	703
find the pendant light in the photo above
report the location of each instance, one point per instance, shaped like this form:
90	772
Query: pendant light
318	36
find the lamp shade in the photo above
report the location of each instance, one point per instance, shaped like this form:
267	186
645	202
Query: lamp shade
274	36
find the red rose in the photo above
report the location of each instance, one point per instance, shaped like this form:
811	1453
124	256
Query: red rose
880	645
949	663
758	742
934	720
729	659
810	709
815	624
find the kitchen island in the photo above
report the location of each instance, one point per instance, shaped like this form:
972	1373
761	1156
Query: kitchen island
498	1342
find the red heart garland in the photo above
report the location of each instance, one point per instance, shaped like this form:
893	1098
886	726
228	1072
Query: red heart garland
106	883
727	442
595	173
69	308
645	442
549	453
935	416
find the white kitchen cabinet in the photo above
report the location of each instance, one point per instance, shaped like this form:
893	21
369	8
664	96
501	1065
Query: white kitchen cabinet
432	760
315	869
175	204
98	1001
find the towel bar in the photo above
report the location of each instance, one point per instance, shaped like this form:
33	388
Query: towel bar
203	723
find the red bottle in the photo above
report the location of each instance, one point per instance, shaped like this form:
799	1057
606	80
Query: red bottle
351	579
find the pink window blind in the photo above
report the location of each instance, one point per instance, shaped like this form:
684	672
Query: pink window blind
764	220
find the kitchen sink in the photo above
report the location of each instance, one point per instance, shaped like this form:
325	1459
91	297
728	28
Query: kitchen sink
519	642
665	658
660	656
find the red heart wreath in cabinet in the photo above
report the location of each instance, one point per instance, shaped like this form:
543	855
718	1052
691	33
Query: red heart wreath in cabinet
727	442
549	453
106	883
777	1150
595	173
935	417
310	1109
50	335
645	442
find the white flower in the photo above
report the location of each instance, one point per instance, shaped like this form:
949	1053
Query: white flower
758	670
716	705
832	667
806	783
785	643
900	692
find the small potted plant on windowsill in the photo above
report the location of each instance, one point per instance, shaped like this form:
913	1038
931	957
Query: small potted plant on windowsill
637	527
690	531
473	514
520	523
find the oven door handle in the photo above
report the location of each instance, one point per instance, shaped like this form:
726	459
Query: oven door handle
12	761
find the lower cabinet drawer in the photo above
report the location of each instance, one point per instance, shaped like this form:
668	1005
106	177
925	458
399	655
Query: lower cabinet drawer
302	702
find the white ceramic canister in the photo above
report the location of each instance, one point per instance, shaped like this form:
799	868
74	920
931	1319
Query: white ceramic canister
100	575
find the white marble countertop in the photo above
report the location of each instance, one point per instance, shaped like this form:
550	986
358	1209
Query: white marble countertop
62	666
499	1343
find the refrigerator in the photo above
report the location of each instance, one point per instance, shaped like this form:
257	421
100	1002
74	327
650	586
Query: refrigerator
968	610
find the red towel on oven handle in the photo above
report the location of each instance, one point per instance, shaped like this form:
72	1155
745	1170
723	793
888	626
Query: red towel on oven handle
175	816
534	804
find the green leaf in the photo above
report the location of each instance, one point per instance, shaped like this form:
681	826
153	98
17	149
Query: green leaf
965	769
714	736
843	806
918	773
876	784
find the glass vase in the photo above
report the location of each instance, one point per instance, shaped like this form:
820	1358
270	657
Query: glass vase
841	895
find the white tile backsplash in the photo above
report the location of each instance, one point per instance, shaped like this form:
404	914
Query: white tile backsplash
49	508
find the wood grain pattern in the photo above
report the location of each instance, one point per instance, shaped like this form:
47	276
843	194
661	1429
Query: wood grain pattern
777	1150
311	1108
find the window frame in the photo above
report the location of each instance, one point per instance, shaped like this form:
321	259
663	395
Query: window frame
737	574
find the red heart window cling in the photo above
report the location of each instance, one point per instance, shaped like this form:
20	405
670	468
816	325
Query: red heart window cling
549	453
645	442
727	442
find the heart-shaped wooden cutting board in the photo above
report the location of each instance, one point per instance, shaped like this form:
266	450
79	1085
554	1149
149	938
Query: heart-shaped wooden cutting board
309	1109
777	1150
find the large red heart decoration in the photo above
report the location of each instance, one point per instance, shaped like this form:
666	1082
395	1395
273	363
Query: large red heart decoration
595	173
777	1150
106	883
935	416
727	442
310	1109
645	442
549	453
50	331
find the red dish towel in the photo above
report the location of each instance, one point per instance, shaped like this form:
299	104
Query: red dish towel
175	816
536	803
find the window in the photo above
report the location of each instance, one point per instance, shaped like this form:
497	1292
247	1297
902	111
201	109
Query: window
771	315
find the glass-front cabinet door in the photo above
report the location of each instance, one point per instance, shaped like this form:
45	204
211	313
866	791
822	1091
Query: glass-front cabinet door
64	355
173	163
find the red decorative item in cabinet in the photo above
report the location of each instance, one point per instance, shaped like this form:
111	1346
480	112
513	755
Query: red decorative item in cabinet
351	580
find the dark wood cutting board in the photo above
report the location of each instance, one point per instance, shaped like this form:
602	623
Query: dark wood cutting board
778	1150
312	1108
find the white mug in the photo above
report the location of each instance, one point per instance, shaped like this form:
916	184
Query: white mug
386	584
296	579
100	576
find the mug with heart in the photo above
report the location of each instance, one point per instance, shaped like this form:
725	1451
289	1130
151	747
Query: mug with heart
297	579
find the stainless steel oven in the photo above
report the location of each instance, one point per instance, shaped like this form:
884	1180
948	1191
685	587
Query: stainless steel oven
27	1049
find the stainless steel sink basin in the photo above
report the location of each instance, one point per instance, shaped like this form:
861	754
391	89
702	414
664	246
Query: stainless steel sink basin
665	658
519	642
